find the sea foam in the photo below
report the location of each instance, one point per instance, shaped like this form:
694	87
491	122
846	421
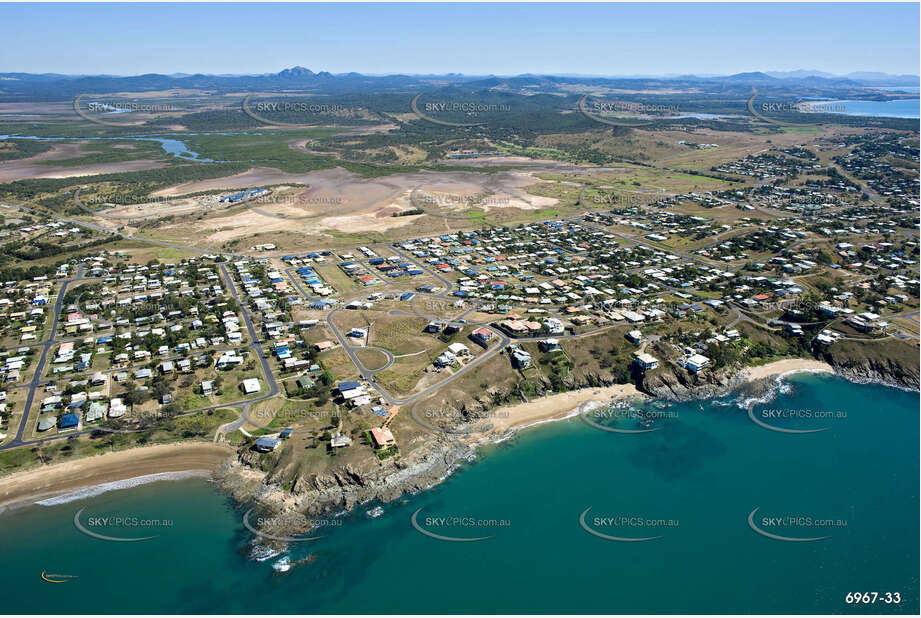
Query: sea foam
95	490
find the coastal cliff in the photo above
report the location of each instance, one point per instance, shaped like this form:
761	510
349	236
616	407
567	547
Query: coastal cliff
673	383
884	361
343	486
280	483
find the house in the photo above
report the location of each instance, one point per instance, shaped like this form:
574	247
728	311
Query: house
117	408
459	349
646	362
632	316
251	385
445	360
304	382
550	345
228	359
635	336
166	367
482	336
347	386
207	387
521	358
696	362
96	411
382	437
267	445
69	421
553	326
339	440
351	394
357	333
322	346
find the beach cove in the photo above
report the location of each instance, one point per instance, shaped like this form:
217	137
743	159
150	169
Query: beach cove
705	470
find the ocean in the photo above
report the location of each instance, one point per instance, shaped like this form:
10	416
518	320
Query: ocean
724	501
903	108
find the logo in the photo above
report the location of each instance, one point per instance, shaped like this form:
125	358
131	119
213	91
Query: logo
618	106
618	410
799	414
785	107
624	522
466	107
130	522
283	522
456	522
57	579
792	521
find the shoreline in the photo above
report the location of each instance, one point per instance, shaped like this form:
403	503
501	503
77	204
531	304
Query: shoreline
785	367
167	461
509	420
159	462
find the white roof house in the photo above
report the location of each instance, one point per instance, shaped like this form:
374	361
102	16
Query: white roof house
251	385
696	362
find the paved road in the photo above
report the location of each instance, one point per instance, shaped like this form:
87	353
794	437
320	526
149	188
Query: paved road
40	367
253	335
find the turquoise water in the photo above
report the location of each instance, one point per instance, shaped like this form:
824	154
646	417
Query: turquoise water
705	468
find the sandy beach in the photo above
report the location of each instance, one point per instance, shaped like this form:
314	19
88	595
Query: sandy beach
547	409
56	479
788	365
564	405
48	481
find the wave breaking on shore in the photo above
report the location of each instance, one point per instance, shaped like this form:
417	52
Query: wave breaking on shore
96	490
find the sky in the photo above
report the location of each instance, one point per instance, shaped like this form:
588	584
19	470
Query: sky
475	39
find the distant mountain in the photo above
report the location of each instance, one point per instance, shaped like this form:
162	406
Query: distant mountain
748	78
51	86
296	73
799	74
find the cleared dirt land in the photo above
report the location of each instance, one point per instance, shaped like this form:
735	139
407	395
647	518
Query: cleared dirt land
327	202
